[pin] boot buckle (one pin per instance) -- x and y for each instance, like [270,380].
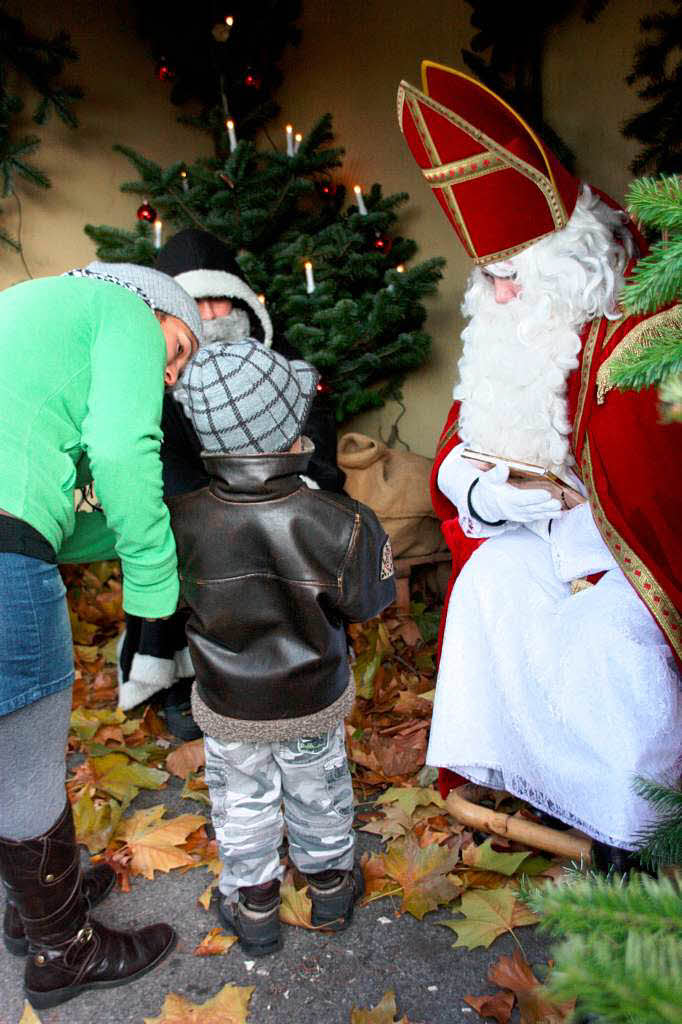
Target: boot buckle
[40,960]
[85,934]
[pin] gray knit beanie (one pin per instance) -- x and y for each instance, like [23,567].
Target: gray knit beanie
[159,290]
[246,399]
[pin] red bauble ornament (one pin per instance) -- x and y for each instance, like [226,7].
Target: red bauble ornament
[146,212]
[164,71]
[383,244]
[322,387]
[326,188]
[252,79]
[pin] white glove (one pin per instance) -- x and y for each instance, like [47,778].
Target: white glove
[493,499]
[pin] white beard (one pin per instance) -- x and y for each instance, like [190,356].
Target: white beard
[513,372]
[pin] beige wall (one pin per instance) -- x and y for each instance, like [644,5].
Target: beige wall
[350,62]
[124,103]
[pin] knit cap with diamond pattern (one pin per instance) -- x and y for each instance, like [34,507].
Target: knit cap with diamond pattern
[246,399]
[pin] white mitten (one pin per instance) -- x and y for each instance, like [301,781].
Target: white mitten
[493,500]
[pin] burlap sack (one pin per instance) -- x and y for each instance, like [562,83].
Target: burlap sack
[395,484]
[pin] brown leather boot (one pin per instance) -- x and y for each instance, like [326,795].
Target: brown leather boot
[97,883]
[69,953]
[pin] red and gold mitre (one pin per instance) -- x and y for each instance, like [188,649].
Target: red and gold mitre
[498,184]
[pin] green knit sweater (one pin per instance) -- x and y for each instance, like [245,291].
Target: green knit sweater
[81,390]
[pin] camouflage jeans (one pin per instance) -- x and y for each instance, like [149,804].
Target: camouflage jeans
[248,782]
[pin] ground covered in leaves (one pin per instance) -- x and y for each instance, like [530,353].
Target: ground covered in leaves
[417,860]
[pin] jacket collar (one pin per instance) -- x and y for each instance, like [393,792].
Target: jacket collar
[256,477]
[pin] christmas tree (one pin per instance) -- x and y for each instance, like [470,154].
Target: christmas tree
[38,62]
[333,274]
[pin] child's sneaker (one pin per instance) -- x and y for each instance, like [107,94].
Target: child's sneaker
[333,895]
[254,918]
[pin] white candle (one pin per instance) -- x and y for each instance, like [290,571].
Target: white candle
[309,279]
[400,268]
[261,299]
[185,182]
[297,142]
[290,139]
[229,21]
[158,234]
[360,200]
[232,134]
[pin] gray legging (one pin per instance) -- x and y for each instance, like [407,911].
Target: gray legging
[33,765]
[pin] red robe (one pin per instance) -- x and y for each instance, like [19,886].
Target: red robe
[630,464]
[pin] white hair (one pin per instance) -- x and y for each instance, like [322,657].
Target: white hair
[517,356]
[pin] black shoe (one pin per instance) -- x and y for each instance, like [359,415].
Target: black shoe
[254,918]
[177,707]
[333,895]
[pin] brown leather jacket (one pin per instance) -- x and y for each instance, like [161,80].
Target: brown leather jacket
[271,570]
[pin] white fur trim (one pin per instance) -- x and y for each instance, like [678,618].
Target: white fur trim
[218,283]
[148,675]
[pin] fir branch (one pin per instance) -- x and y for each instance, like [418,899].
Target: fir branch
[640,369]
[657,202]
[657,278]
[661,844]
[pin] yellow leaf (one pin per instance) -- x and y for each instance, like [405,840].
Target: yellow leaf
[296,907]
[193,790]
[155,845]
[109,651]
[215,943]
[421,873]
[29,1015]
[487,915]
[383,1013]
[123,778]
[205,898]
[410,797]
[229,1006]
[86,652]
[85,722]
[95,821]
[484,858]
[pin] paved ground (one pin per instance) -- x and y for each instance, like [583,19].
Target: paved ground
[316,979]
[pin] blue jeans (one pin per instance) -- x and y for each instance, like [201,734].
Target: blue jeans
[36,657]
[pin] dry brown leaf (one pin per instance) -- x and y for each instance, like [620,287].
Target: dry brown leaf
[155,845]
[498,1006]
[229,1006]
[215,943]
[513,972]
[206,896]
[188,758]
[422,875]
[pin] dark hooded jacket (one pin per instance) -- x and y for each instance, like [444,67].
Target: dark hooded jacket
[204,267]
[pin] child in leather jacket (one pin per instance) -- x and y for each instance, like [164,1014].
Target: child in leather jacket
[271,571]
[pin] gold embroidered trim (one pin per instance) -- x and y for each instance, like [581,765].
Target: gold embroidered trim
[638,338]
[507,159]
[462,170]
[588,353]
[655,598]
[450,432]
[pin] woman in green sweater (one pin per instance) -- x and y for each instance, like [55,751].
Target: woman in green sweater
[83,362]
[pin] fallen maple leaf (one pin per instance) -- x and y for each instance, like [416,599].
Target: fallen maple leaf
[95,821]
[487,915]
[498,1006]
[421,873]
[188,758]
[485,858]
[411,797]
[205,899]
[535,1007]
[296,907]
[229,1006]
[155,845]
[122,778]
[376,882]
[383,1013]
[195,788]
[392,824]
[29,1016]
[215,943]
[85,722]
